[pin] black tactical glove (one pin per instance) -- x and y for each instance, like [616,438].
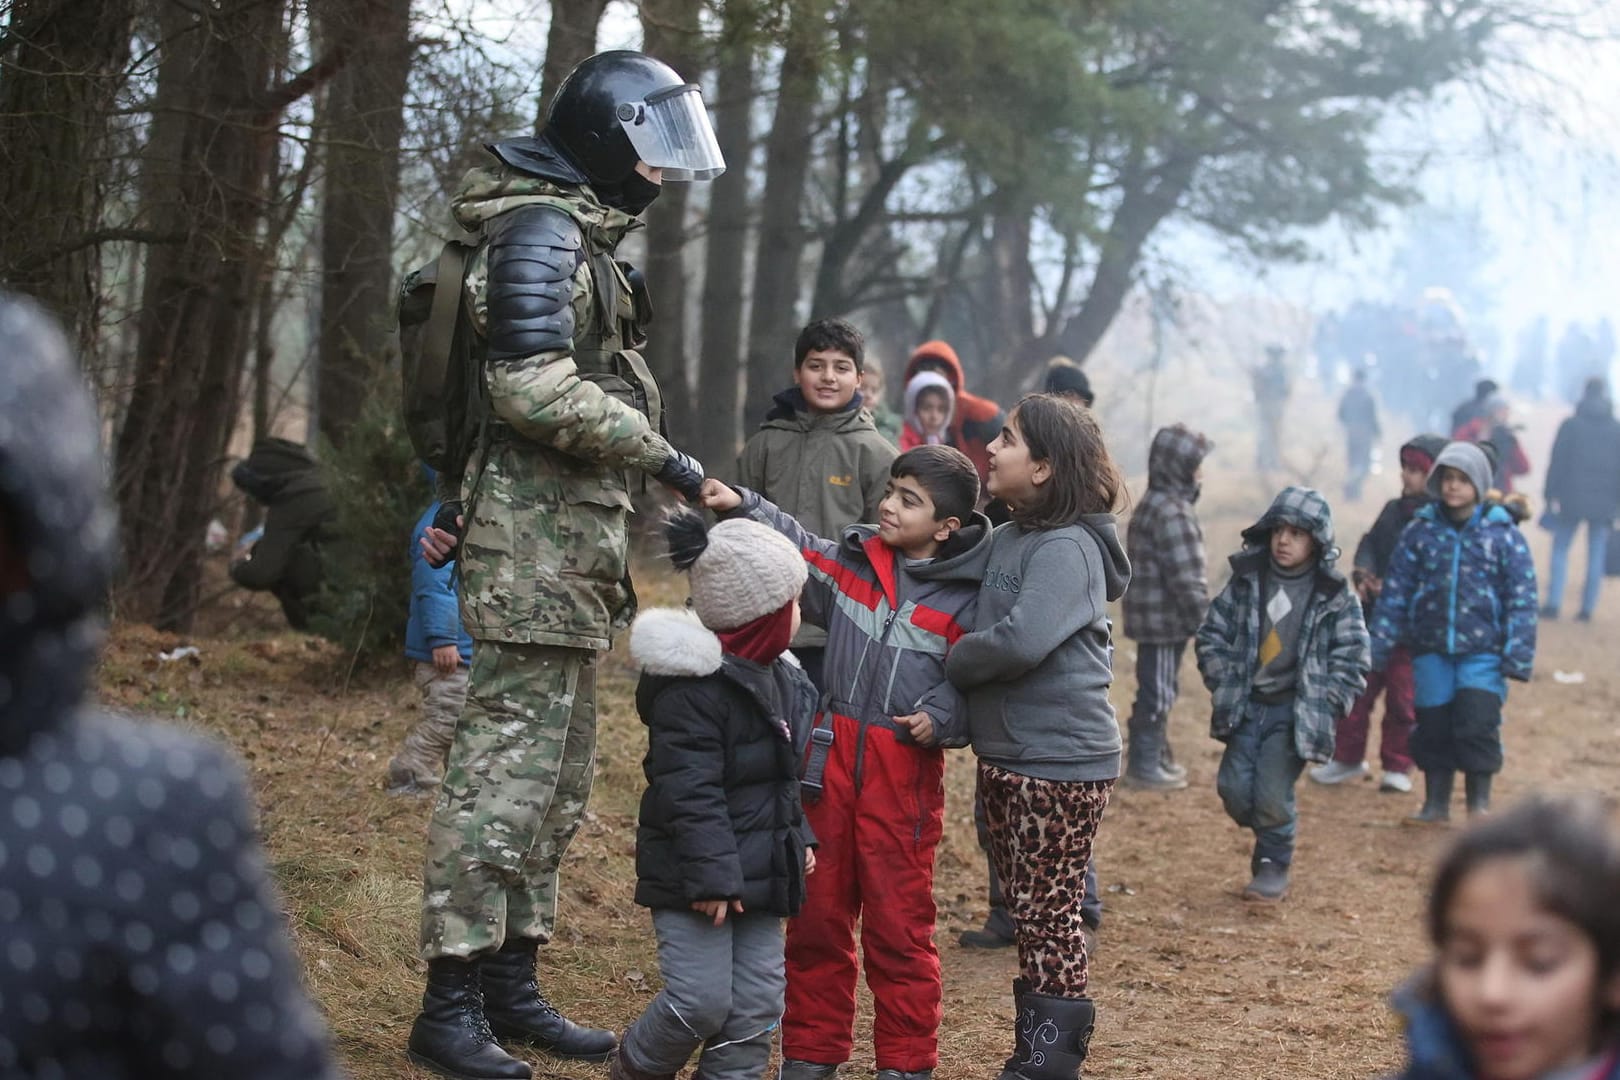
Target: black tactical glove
[683,473]
[445,519]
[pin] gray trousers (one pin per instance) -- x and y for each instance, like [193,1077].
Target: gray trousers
[723,991]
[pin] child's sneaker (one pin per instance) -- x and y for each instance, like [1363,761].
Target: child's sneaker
[1270,882]
[1337,772]
[1396,781]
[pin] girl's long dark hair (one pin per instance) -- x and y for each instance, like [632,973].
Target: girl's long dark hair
[1572,846]
[1065,434]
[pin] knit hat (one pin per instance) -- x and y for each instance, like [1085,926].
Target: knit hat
[1420,451]
[1467,459]
[920,382]
[1064,376]
[740,570]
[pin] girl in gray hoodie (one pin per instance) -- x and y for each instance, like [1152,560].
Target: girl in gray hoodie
[1036,671]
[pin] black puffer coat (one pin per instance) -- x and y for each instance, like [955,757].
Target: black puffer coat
[139,934]
[1583,477]
[284,478]
[721,817]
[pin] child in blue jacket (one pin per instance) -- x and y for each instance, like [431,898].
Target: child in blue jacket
[1460,594]
[440,651]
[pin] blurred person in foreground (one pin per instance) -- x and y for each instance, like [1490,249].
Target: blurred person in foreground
[139,932]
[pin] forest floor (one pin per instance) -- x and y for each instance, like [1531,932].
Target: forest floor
[1190,980]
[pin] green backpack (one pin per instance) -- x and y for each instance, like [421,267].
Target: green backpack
[442,360]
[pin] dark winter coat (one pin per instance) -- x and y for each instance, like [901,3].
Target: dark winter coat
[1358,411]
[1583,476]
[888,625]
[721,818]
[1169,578]
[1332,639]
[139,933]
[284,478]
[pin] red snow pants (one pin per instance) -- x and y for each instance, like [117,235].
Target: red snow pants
[875,864]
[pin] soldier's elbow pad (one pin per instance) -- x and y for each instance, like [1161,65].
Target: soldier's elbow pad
[533,254]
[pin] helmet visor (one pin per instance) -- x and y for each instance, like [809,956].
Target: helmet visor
[671,131]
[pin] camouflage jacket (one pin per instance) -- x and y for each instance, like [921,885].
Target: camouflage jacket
[544,558]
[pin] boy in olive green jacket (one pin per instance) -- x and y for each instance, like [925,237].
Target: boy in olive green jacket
[818,455]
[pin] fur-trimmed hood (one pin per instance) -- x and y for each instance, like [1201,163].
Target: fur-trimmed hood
[672,642]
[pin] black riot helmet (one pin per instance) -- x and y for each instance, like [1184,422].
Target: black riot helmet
[618,108]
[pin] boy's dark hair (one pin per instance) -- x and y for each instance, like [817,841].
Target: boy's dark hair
[830,334]
[1573,850]
[1059,430]
[946,474]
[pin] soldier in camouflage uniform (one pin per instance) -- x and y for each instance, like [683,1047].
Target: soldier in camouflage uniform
[575,425]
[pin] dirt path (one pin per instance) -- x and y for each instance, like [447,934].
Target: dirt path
[1190,981]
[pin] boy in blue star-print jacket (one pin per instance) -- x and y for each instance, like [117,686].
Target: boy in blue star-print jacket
[1461,595]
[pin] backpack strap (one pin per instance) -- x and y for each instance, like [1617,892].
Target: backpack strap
[440,334]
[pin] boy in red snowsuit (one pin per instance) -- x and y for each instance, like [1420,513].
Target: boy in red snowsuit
[893,598]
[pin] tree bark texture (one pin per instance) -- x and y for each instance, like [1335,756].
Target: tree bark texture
[361,124]
[209,153]
[781,241]
[725,254]
[61,66]
[670,32]
[570,39]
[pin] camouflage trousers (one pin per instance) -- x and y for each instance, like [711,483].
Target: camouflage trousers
[514,792]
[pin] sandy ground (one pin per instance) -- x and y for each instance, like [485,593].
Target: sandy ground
[1190,981]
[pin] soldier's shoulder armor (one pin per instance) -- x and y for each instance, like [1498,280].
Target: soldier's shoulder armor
[533,253]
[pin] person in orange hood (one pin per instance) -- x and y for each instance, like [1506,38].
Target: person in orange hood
[976,421]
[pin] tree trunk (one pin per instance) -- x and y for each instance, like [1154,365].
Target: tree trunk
[362,122]
[1148,199]
[780,247]
[63,64]
[671,33]
[213,126]
[570,39]
[719,370]
[1009,310]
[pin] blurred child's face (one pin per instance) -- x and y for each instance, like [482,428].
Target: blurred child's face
[1413,480]
[1457,492]
[1014,475]
[932,411]
[1291,546]
[906,519]
[828,379]
[1521,983]
[872,383]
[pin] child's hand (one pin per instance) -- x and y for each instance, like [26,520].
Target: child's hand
[716,909]
[718,496]
[921,726]
[809,861]
[446,658]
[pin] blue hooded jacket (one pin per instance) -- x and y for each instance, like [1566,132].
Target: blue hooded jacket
[1460,591]
[435,618]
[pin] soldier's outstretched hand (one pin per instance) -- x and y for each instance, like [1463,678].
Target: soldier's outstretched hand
[439,545]
[718,496]
[681,473]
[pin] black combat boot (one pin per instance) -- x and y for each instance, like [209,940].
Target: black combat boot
[1436,810]
[998,931]
[517,1009]
[1477,791]
[1053,1035]
[451,1036]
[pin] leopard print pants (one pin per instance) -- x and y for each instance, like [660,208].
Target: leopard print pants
[1040,840]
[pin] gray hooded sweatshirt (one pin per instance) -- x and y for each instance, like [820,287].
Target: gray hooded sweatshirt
[1037,666]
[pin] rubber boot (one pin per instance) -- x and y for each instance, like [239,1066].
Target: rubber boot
[1167,757]
[1023,1048]
[794,1069]
[1477,791]
[517,1009]
[998,931]
[451,1037]
[1145,769]
[1436,810]
[1054,1035]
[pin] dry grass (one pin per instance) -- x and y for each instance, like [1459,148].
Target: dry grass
[1190,980]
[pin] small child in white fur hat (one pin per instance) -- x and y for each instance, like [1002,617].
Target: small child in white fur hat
[722,846]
